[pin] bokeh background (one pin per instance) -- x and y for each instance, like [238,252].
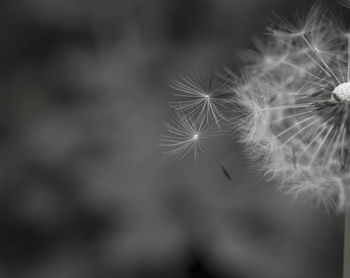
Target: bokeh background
[86,191]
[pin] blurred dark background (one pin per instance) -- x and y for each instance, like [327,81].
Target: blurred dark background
[85,190]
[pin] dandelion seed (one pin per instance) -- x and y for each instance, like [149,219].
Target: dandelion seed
[186,136]
[204,99]
[282,28]
[226,173]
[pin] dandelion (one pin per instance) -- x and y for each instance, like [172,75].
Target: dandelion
[294,99]
[295,103]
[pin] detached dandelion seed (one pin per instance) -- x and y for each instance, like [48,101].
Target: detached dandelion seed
[186,136]
[204,99]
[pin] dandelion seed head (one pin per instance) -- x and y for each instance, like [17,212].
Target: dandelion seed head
[295,106]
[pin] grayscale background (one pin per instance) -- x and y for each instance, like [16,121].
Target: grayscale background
[85,190]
